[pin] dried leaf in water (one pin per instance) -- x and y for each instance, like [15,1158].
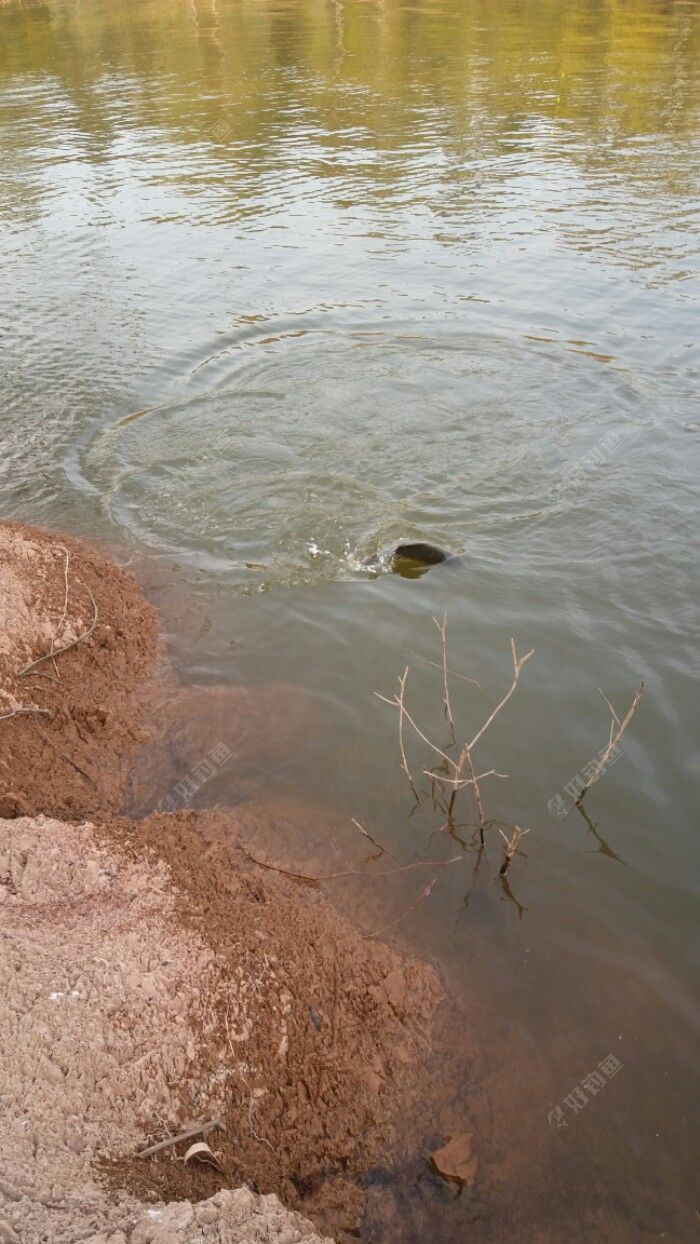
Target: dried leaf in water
[201,1152]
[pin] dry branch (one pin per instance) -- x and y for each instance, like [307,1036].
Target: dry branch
[350,872]
[510,847]
[456,768]
[19,712]
[57,652]
[438,666]
[442,628]
[465,756]
[378,845]
[614,739]
[518,663]
[420,897]
[199,1129]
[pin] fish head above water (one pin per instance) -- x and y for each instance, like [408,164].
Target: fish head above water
[410,559]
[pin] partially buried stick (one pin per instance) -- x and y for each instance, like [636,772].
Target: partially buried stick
[56,652]
[199,1129]
[18,712]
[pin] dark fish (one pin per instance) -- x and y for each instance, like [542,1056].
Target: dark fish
[411,559]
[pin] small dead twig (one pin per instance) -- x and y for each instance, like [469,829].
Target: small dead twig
[57,652]
[477,793]
[351,872]
[23,710]
[199,1129]
[465,756]
[378,845]
[67,759]
[518,663]
[398,701]
[442,628]
[510,847]
[455,769]
[420,897]
[615,736]
[438,666]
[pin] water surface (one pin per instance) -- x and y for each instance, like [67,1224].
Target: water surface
[285,281]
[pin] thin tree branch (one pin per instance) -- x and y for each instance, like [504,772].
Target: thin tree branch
[396,703]
[442,628]
[614,739]
[19,712]
[48,656]
[351,872]
[518,663]
[437,777]
[384,850]
[437,666]
[510,847]
[199,1129]
[420,897]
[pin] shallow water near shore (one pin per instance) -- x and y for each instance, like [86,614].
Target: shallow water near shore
[284,282]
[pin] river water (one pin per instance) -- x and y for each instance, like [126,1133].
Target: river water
[283,281]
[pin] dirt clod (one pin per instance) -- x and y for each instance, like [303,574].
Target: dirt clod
[456,1160]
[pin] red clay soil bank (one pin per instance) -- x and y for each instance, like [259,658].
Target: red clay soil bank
[103,726]
[192,982]
[69,724]
[316,1043]
[106,1009]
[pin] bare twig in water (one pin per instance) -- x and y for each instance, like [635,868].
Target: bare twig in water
[378,845]
[510,847]
[477,793]
[438,666]
[615,736]
[442,628]
[518,663]
[199,1129]
[57,652]
[420,897]
[351,872]
[398,700]
[455,771]
[437,777]
[465,756]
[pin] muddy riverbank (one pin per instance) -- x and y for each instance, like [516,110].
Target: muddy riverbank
[163,971]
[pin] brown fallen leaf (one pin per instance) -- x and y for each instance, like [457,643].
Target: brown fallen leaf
[201,1152]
